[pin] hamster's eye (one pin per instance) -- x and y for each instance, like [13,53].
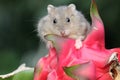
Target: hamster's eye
[67,19]
[55,21]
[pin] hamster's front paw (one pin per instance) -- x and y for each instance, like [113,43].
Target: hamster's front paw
[49,44]
[78,43]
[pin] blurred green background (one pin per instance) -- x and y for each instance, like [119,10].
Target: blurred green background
[19,42]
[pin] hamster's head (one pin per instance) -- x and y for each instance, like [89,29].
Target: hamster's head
[65,20]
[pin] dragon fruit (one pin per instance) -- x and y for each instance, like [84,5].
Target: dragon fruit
[91,62]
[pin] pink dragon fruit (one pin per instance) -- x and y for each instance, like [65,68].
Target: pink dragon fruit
[91,62]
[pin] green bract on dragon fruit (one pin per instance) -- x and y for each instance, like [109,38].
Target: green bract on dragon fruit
[91,62]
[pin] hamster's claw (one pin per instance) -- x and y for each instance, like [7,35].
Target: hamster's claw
[50,44]
[78,43]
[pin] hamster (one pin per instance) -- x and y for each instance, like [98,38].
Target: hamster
[64,21]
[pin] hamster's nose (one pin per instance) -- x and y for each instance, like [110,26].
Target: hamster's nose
[62,33]
[65,33]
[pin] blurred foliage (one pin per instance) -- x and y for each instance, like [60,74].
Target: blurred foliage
[18,19]
[23,75]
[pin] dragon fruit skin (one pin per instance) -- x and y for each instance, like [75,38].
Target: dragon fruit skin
[65,62]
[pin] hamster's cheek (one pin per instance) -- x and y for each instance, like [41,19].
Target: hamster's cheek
[56,32]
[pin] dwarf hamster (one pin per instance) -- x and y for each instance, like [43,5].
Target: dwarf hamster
[64,21]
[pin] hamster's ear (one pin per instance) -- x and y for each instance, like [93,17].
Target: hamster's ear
[50,8]
[72,6]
